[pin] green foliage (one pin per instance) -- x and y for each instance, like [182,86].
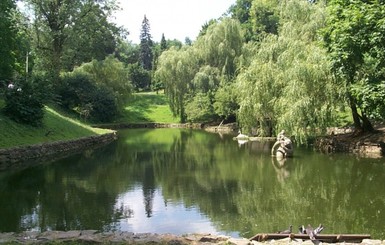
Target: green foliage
[288,84]
[200,108]
[127,52]
[264,18]
[139,76]
[68,33]
[176,69]
[146,55]
[221,46]
[54,127]
[13,41]
[257,17]
[24,101]
[78,93]
[355,39]
[201,69]
[225,104]
[370,97]
[7,34]
[111,74]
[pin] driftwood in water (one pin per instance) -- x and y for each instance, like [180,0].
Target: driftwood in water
[330,238]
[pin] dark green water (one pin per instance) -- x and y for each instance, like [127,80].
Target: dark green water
[184,181]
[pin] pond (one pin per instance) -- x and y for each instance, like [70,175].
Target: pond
[190,181]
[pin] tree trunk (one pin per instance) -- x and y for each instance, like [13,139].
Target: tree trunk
[366,124]
[356,116]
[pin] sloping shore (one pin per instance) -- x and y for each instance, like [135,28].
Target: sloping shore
[347,140]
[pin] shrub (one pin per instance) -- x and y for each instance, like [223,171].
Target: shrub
[24,101]
[80,94]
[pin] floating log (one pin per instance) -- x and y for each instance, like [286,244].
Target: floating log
[330,238]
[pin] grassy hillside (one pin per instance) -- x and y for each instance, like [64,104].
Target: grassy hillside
[55,127]
[148,107]
[142,107]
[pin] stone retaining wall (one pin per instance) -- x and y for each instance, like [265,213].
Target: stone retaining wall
[95,237]
[150,125]
[13,157]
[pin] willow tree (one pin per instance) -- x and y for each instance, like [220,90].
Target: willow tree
[176,69]
[219,51]
[221,46]
[193,75]
[288,84]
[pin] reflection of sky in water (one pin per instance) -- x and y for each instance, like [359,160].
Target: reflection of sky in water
[167,216]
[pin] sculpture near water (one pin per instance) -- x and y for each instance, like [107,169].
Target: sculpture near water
[285,146]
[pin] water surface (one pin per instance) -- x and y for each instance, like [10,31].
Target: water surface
[183,181]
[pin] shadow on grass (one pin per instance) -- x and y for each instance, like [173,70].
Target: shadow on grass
[141,105]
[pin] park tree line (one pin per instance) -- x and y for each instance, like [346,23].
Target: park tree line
[295,65]
[267,65]
[70,54]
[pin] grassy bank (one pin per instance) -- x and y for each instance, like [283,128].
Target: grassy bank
[141,108]
[55,127]
[147,107]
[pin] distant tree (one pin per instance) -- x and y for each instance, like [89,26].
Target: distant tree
[187,41]
[205,26]
[174,43]
[127,52]
[264,17]
[241,11]
[163,43]
[146,44]
[257,17]
[139,76]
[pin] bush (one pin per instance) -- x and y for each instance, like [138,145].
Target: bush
[78,93]
[24,101]
[104,108]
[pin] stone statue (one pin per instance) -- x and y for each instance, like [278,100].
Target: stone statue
[285,146]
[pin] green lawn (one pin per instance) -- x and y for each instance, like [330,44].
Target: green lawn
[142,107]
[148,107]
[55,127]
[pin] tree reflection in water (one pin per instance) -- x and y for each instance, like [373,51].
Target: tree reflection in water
[182,181]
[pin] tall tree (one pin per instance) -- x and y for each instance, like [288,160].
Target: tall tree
[163,43]
[355,39]
[146,44]
[7,39]
[257,17]
[241,11]
[62,25]
[288,84]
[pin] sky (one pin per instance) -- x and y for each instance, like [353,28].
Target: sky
[177,19]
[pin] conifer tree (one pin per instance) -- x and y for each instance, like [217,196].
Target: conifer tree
[146,55]
[163,43]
